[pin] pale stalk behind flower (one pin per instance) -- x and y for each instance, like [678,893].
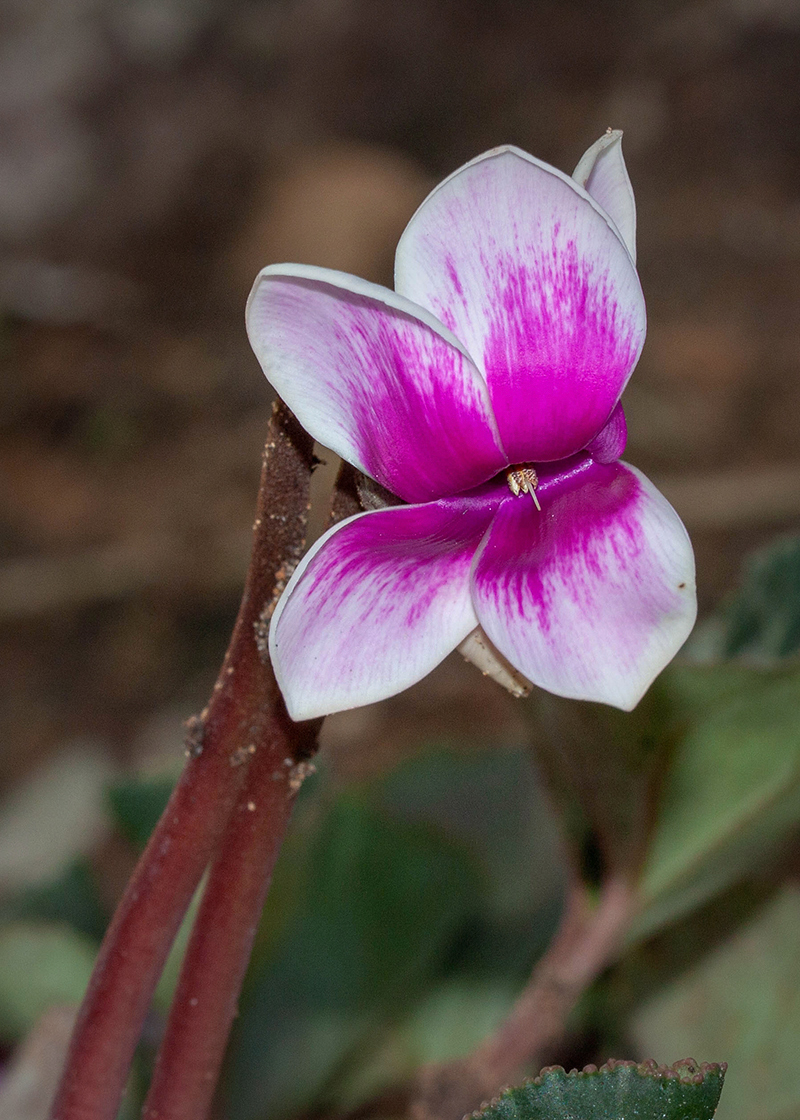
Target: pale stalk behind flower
[480,652]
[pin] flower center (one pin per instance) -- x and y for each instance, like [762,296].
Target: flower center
[523,480]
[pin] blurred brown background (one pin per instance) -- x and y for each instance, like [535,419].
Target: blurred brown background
[154,154]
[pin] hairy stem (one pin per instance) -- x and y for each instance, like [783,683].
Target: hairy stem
[220,747]
[189,1060]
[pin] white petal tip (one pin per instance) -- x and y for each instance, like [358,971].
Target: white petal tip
[601,171]
[586,163]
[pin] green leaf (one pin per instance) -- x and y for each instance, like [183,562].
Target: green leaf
[692,690]
[732,792]
[385,898]
[55,814]
[616,1091]
[601,764]
[447,1023]
[383,902]
[741,1000]
[492,803]
[486,804]
[40,966]
[762,621]
[137,804]
[71,898]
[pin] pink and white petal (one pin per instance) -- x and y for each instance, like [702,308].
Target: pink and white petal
[602,172]
[376,379]
[609,443]
[531,275]
[593,596]
[377,603]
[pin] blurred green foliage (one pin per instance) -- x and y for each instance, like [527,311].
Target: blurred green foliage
[403,889]
[742,1000]
[71,898]
[383,902]
[407,911]
[41,965]
[732,791]
[761,620]
[136,804]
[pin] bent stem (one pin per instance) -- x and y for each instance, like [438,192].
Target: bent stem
[221,745]
[588,939]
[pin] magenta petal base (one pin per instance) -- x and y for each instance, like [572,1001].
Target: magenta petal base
[594,595]
[375,378]
[533,278]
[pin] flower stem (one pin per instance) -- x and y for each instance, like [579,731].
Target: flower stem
[204,1006]
[138,941]
[222,744]
[589,937]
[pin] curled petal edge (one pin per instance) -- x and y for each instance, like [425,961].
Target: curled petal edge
[601,171]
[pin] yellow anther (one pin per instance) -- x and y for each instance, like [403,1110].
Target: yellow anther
[523,480]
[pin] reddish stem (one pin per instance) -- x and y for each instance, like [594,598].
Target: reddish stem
[221,745]
[589,937]
[204,1006]
[139,938]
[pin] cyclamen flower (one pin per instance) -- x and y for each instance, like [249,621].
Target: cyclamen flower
[483,392]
